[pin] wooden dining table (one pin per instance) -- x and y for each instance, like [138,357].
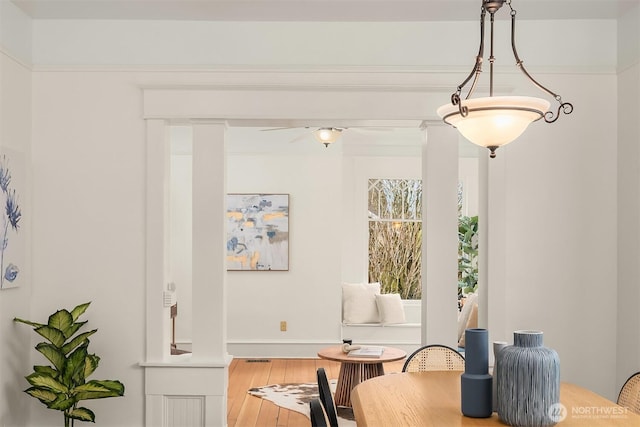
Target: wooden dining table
[428,399]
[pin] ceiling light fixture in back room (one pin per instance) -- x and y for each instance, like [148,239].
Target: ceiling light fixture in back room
[327,136]
[492,122]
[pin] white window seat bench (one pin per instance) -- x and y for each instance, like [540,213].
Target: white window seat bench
[400,335]
[377,333]
[406,336]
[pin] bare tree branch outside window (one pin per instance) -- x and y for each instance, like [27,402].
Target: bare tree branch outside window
[395,239]
[395,236]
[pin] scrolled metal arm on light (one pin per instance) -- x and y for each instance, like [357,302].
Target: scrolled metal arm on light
[565,107]
[495,121]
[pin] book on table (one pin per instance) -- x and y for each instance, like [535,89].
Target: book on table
[367,351]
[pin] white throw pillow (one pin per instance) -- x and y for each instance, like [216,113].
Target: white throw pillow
[359,302]
[390,308]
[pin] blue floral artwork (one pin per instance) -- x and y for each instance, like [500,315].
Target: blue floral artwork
[10,260]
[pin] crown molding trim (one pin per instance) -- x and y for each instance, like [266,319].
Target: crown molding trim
[5,52]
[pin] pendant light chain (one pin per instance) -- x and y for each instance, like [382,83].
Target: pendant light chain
[492,58]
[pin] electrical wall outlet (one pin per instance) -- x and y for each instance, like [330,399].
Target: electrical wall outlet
[283,325]
[168,298]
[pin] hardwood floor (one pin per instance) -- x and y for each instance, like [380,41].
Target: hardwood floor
[244,410]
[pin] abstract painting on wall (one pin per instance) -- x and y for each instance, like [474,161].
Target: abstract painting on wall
[258,232]
[12,240]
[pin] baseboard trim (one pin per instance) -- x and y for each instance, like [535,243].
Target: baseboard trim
[298,350]
[277,349]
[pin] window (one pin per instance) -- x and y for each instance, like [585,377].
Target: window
[395,235]
[395,239]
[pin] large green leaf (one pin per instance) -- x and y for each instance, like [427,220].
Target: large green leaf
[62,404]
[79,310]
[97,385]
[43,395]
[54,355]
[27,322]
[90,386]
[82,414]
[74,366]
[46,370]
[90,364]
[60,320]
[55,336]
[73,329]
[47,383]
[88,395]
[99,389]
[68,347]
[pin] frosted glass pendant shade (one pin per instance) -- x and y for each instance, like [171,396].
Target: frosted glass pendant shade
[494,121]
[327,135]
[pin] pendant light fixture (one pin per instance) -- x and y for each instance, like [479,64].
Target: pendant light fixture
[327,135]
[492,122]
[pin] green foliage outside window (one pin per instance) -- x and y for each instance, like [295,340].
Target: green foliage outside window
[467,254]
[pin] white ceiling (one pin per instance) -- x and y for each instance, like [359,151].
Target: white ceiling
[316,10]
[399,139]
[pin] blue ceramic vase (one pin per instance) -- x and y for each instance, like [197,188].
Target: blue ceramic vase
[475,386]
[528,376]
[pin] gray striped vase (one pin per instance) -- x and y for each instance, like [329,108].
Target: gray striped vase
[528,377]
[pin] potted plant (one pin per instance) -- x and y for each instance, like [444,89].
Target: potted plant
[62,385]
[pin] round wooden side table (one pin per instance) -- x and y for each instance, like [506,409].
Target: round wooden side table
[354,370]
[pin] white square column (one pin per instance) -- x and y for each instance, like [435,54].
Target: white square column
[492,244]
[209,236]
[157,241]
[188,390]
[440,236]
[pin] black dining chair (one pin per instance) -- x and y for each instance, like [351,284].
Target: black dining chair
[316,413]
[327,398]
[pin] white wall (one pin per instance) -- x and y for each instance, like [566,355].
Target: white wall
[88,229]
[561,232]
[89,186]
[284,45]
[628,250]
[305,295]
[16,348]
[15,134]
